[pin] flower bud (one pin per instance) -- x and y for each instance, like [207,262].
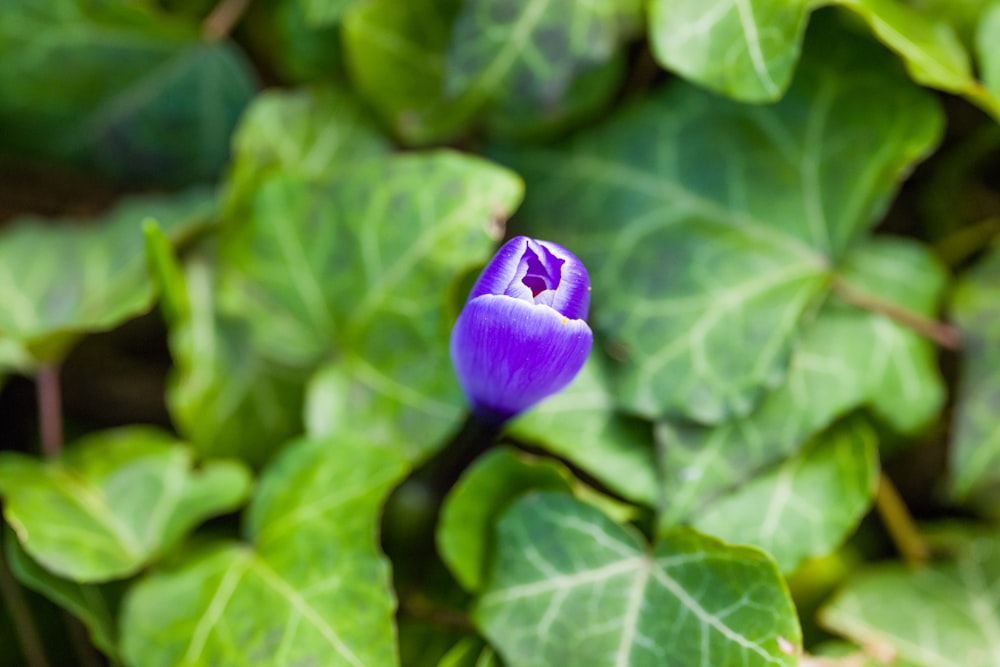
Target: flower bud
[522,335]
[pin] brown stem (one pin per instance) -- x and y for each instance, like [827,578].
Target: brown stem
[49,409]
[17,605]
[223,18]
[943,334]
[901,526]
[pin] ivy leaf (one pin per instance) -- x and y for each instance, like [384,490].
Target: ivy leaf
[363,265]
[726,221]
[942,615]
[846,358]
[395,56]
[975,451]
[309,587]
[807,505]
[95,605]
[571,587]
[99,85]
[580,425]
[113,501]
[309,131]
[533,47]
[62,279]
[495,480]
[746,49]
[986,34]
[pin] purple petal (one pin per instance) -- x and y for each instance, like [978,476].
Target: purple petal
[500,273]
[522,266]
[572,297]
[509,353]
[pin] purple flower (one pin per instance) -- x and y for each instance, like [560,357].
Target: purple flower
[522,335]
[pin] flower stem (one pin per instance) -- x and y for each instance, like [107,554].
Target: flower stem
[900,524]
[223,18]
[442,470]
[49,409]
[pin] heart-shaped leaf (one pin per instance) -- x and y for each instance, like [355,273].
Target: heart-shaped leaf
[570,587]
[308,587]
[113,502]
[712,230]
[361,269]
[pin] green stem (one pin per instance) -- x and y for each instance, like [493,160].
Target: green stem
[900,524]
[17,605]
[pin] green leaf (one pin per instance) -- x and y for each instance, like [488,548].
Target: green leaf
[361,268]
[314,132]
[113,502]
[942,615]
[61,279]
[975,451]
[395,54]
[321,13]
[570,587]
[95,605]
[469,653]
[846,358]
[99,84]
[580,425]
[532,49]
[223,395]
[806,506]
[989,60]
[711,230]
[495,480]
[746,49]
[930,49]
[309,587]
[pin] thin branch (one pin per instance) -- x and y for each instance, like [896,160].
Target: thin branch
[50,416]
[901,526]
[223,18]
[941,333]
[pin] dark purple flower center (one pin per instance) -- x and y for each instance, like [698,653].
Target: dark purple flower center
[543,272]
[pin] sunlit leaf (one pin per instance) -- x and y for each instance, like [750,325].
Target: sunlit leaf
[61,279]
[100,84]
[570,587]
[806,506]
[321,13]
[746,49]
[975,452]
[711,230]
[942,615]
[308,587]
[465,529]
[113,501]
